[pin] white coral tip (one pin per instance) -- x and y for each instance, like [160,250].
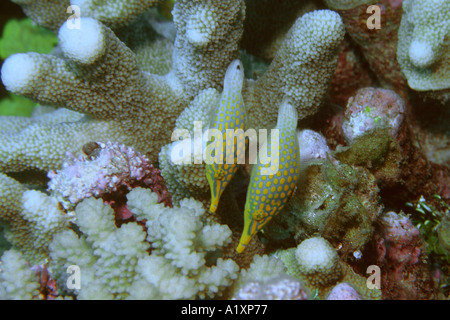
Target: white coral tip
[17,72]
[421,54]
[85,45]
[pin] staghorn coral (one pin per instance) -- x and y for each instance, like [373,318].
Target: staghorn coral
[207,41]
[424,45]
[174,257]
[91,79]
[112,62]
[17,280]
[32,218]
[91,71]
[52,14]
[296,71]
[49,14]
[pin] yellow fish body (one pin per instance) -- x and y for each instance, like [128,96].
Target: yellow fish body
[229,116]
[273,182]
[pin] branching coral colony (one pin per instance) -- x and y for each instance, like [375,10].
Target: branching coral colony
[107,178]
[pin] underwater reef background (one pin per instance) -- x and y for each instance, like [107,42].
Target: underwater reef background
[98,99]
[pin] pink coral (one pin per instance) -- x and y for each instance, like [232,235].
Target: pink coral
[403,240]
[396,3]
[396,159]
[279,288]
[372,108]
[344,291]
[400,256]
[104,169]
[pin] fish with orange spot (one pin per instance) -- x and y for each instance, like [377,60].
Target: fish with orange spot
[229,123]
[274,176]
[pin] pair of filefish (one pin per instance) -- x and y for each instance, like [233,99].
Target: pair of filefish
[273,181]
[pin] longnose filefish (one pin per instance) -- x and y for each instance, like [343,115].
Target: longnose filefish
[230,120]
[272,183]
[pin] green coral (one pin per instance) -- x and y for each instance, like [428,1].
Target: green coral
[335,200]
[369,149]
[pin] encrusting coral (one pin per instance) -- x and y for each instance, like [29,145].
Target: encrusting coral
[109,173]
[400,252]
[334,200]
[378,133]
[316,263]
